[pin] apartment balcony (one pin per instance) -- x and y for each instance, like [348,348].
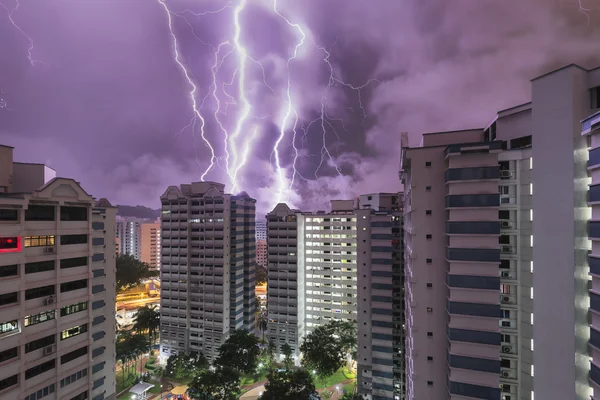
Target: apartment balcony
[590,123]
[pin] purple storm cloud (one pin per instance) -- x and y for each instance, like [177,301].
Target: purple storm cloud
[297,101]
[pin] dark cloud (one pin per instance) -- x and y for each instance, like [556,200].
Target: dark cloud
[107,104]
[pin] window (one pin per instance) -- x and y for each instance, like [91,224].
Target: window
[9,270]
[429,334]
[39,213]
[73,355]
[97,289]
[429,309]
[43,291]
[9,215]
[429,383]
[40,266]
[428,163]
[428,236]
[39,318]
[73,239]
[429,285]
[38,344]
[73,308]
[41,393]
[73,285]
[73,213]
[72,378]
[427,212]
[8,382]
[37,241]
[40,369]
[429,358]
[9,354]
[428,260]
[80,396]
[75,331]
[428,188]
[9,326]
[73,262]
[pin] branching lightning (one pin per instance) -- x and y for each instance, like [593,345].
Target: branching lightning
[12,21]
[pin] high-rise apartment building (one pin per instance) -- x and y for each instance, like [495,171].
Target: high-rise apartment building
[57,287]
[128,232]
[261,229]
[207,268]
[261,252]
[311,270]
[150,244]
[380,301]
[496,251]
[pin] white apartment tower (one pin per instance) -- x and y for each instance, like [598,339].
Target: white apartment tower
[312,270]
[496,251]
[57,287]
[207,268]
[128,231]
[380,302]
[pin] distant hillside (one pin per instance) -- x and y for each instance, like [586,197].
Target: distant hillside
[138,212]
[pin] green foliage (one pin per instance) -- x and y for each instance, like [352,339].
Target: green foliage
[272,349]
[147,319]
[131,272]
[185,366]
[289,385]
[261,274]
[220,384]
[261,324]
[326,347]
[350,396]
[287,352]
[239,352]
[130,349]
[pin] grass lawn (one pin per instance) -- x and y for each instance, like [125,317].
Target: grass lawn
[156,388]
[251,379]
[349,388]
[334,379]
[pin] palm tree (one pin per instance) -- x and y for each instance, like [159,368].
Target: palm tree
[262,325]
[147,319]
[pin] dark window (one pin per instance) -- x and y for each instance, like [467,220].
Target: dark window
[73,378]
[9,215]
[429,358]
[39,213]
[428,236]
[474,282]
[476,309]
[73,239]
[48,390]
[39,318]
[473,227]
[8,382]
[428,188]
[80,396]
[427,212]
[430,285]
[73,308]
[428,163]
[40,266]
[98,320]
[485,255]
[472,336]
[474,363]
[97,352]
[505,264]
[9,270]
[472,200]
[98,304]
[428,260]
[429,334]
[73,262]
[38,344]
[503,214]
[73,355]
[429,383]
[524,141]
[73,213]
[38,292]
[472,173]
[8,354]
[475,391]
[40,369]
[73,285]
[97,289]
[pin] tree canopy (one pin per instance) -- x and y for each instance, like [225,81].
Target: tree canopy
[186,366]
[147,319]
[261,274]
[131,272]
[239,352]
[326,347]
[218,384]
[289,385]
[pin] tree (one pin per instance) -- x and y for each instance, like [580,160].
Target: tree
[261,274]
[186,366]
[289,385]
[220,384]
[326,347]
[239,352]
[287,352]
[262,325]
[131,272]
[272,349]
[147,319]
[351,396]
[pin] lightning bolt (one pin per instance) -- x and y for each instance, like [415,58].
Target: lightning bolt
[193,90]
[289,111]
[17,27]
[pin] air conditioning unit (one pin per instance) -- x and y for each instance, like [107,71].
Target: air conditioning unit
[505,274]
[505,224]
[49,300]
[505,299]
[49,350]
[505,374]
[506,349]
[506,174]
[48,250]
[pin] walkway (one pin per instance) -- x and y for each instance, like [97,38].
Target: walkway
[259,387]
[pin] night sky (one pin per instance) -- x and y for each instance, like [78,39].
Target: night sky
[104,101]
